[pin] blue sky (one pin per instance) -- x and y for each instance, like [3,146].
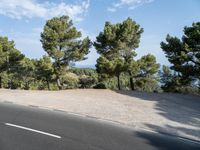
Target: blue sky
[23,20]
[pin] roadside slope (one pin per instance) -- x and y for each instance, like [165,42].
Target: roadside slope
[169,113]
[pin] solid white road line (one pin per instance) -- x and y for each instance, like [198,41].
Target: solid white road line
[33,130]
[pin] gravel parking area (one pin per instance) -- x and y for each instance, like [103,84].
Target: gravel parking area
[175,114]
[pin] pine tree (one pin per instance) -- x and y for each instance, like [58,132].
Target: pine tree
[148,68]
[184,54]
[116,45]
[44,70]
[10,59]
[63,43]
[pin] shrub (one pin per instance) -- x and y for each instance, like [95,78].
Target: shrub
[87,81]
[100,86]
[70,81]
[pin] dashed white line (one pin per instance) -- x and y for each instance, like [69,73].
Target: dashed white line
[33,130]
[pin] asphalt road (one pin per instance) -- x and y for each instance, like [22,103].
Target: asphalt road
[28,128]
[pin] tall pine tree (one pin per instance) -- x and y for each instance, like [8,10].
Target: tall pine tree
[184,54]
[63,43]
[116,45]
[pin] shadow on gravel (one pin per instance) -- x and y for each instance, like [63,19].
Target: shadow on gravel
[171,130]
[180,108]
[166,142]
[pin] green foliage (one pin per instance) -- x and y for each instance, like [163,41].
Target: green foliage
[70,81]
[147,85]
[148,66]
[184,54]
[44,70]
[147,79]
[173,83]
[110,68]
[116,45]
[87,77]
[10,59]
[87,81]
[165,74]
[116,67]
[121,38]
[4,79]
[61,40]
[26,70]
[64,45]
[191,39]
[169,82]
[84,71]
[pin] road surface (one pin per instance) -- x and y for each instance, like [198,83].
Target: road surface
[29,128]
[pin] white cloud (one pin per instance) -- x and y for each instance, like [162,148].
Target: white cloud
[131,4]
[31,8]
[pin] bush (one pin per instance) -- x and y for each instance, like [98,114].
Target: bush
[87,81]
[70,81]
[100,86]
[188,90]
[147,85]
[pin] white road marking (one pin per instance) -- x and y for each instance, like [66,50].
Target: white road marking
[33,130]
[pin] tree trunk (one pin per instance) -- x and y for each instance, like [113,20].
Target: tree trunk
[27,85]
[9,84]
[118,82]
[48,84]
[59,84]
[131,81]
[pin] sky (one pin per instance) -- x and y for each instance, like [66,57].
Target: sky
[23,21]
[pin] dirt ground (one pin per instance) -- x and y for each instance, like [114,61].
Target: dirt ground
[175,114]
